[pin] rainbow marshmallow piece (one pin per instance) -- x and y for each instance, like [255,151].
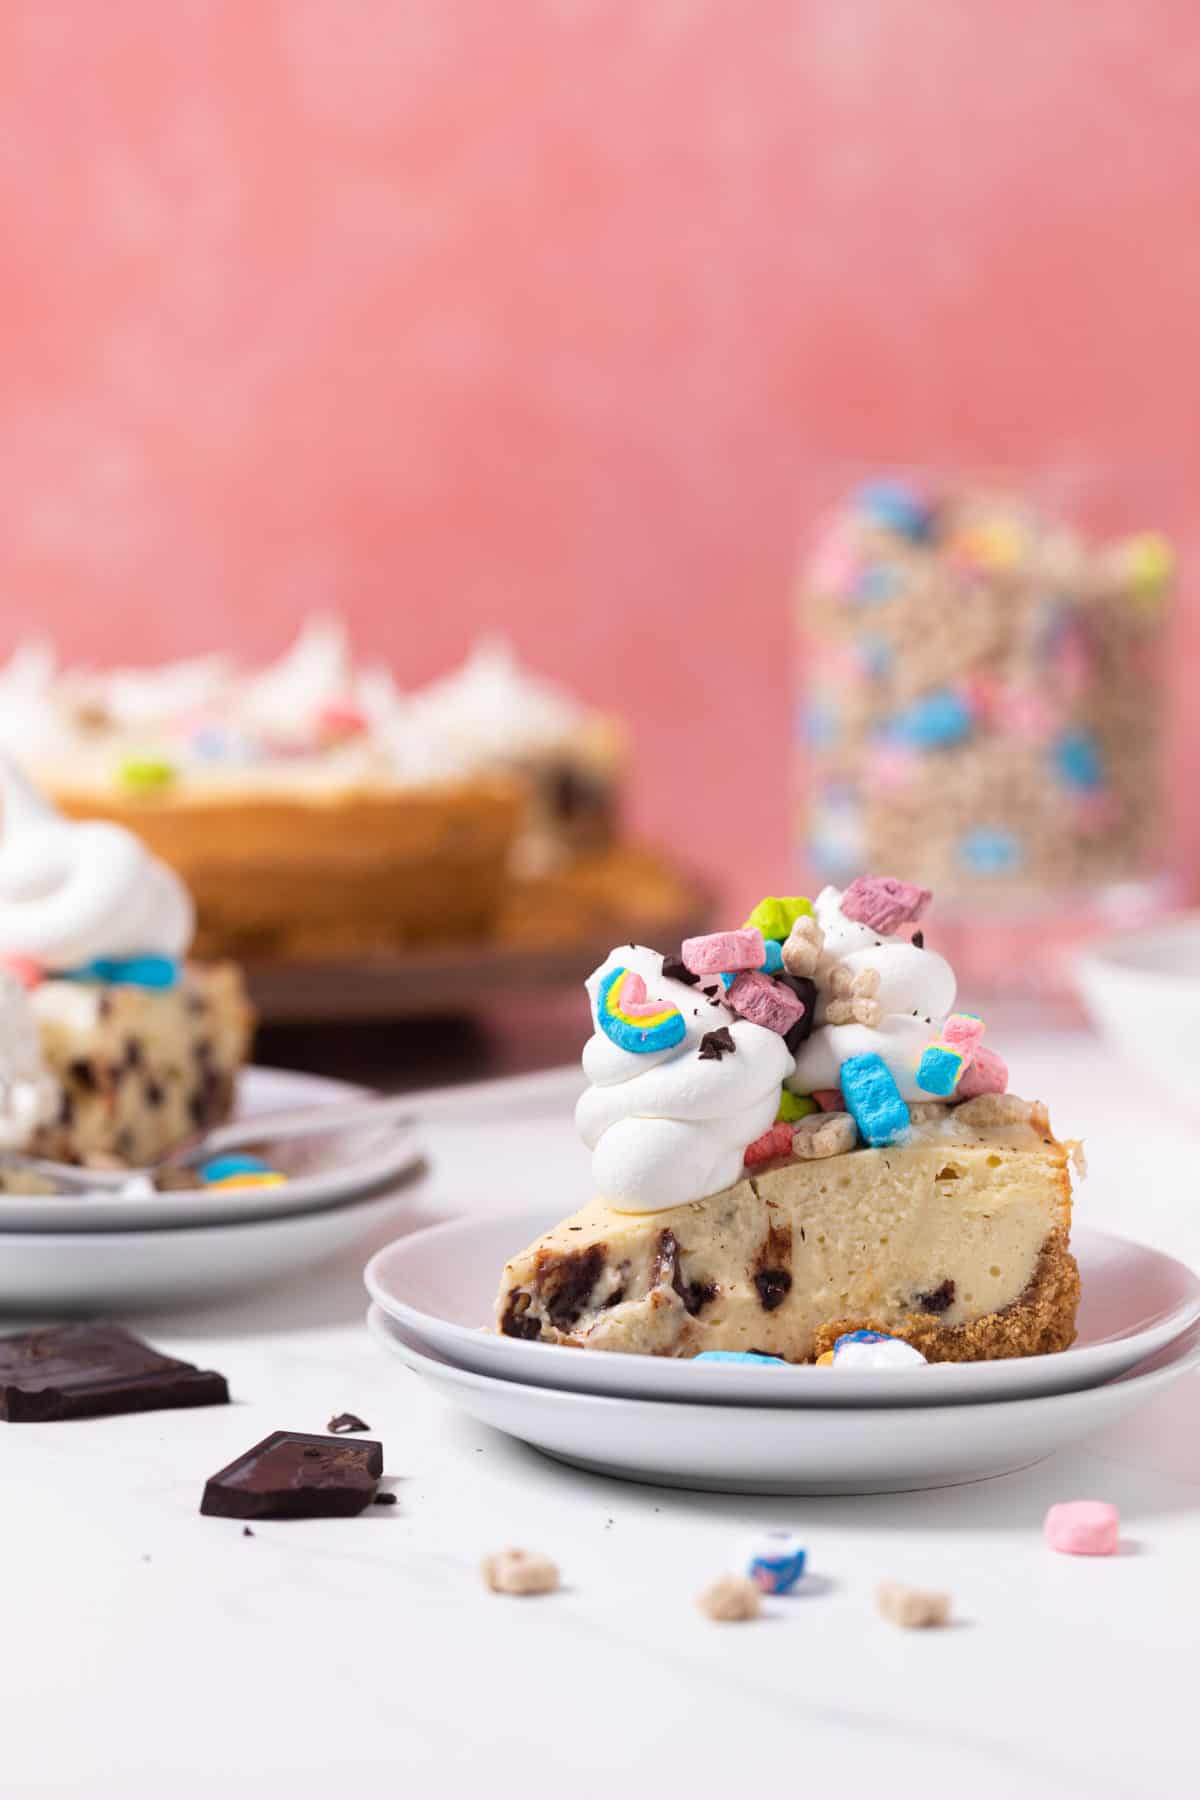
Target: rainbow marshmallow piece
[631,1020]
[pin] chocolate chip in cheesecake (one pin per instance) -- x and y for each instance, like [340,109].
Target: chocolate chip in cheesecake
[82,1071]
[667,1271]
[675,969]
[940,1300]
[518,1321]
[774,1286]
[565,1283]
[716,1044]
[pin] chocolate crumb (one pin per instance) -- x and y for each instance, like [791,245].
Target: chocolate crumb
[83,1073]
[675,969]
[940,1300]
[918,938]
[716,1044]
[347,1422]
[774,1286]
[384,1500]
[246,1531]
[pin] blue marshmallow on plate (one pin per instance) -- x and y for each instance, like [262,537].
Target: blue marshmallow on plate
[737,1356]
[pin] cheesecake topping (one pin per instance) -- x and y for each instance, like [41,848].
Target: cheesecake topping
[717,1060]
[73,894]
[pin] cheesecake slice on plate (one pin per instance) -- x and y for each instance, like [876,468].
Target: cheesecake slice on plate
[795,1138]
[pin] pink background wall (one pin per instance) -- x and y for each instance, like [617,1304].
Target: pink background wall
[544,313]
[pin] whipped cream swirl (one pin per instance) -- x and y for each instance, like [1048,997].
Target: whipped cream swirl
[916,992]
[75,892]
[668,1126]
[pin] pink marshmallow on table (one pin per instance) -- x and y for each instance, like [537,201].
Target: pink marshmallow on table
[1083,1528]
[722,952]
[987,1074]
[777,1141]
[829,1099]
[765,1002]
[882,903]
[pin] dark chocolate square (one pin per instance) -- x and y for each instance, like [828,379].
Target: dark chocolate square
[296,1475]
[84,1371]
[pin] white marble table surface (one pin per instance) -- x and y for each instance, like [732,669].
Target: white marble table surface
[151,1652]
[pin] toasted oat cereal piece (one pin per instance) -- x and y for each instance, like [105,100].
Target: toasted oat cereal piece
[519,1572]
[824,1134]
[730,1599]
[999,1109]
[912,1608]
[804,947]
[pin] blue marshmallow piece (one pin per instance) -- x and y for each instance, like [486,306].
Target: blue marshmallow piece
[897,507]
[1077,759]
[873,1100]
[776,1562]
[774,962]
[990,850]
[737,1356]
[939,1070]
[934,721]
[220,1168]
[130,971]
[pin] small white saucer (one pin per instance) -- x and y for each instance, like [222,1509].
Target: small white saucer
[440,1285]
[373,1157]
[822,1450]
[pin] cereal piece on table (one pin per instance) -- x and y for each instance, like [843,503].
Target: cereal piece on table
[912,1608]
[723,951]
[738,1356]
[730,1599]
[776,1141]
[765,1002]
[774,916]
[824,1134]
[793,1108]
[519,1572]
[986,1076]
[803,947]
[873,1100]
[883,904]
[1083,1528]
[776,1562]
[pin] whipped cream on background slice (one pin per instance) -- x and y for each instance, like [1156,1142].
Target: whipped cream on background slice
[71,891]
[916,992]
[139,698]
[34,724]
[28,1092]
[285,700]
[492,709]
[666,1127]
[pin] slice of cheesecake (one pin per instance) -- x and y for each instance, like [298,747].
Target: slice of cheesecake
[956,1240]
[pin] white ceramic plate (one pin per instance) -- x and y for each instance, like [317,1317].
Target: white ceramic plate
[65,1272]
[364,1161]
[440,1285]
[821,1450]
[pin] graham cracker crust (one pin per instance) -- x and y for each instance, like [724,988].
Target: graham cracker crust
[1040,1322]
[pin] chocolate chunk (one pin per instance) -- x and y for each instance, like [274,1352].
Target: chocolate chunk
[66,1109]
[774,1286]
[82,1071]
[716,1044]
[246,1531]
[519,1321]
[940,1300]
[155,1094]
[918,938]
[133,1053]
[385,1500]
[565,1283]
[84,1371]
[713,991]
[347,1422]
[676,970]
[294,1475]
[805,991]
[667,1267]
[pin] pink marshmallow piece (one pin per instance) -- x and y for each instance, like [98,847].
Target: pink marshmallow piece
[1083,1528]
[26,971]
[777,1141]
[721,952]
[964,1033]
[987,1074]
[829,1099]
[882,903]
[765,1002]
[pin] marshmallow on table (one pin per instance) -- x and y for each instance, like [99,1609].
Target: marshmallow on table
[776,1562]
[1083,1528]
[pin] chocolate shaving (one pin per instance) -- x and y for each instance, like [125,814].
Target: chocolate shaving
[675,969]
[246,1531]
[716,1044]
[347,1422]
[918,938]
[385,1500]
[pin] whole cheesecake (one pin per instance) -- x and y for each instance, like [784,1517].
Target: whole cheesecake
[796,1139]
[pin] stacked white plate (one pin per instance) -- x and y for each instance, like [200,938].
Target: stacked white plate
[779,1429]
[101,1250]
